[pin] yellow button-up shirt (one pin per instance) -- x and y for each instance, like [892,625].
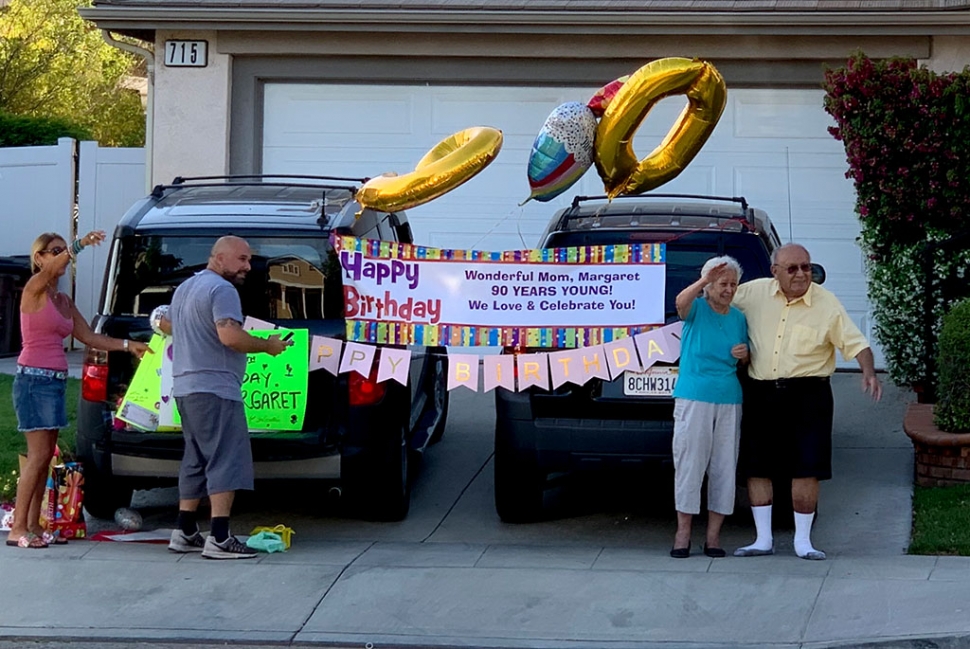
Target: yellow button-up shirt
[797,338]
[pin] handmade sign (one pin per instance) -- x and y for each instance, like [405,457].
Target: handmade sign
[273,391]
[274,388]
[142,400]
[405,294]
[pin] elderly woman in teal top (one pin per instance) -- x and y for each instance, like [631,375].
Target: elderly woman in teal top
[707,402]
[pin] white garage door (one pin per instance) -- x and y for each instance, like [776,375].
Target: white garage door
[770,146]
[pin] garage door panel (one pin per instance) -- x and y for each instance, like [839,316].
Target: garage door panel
[753,181]
[302,112]
[697,178]
[824,224]
[770,146]
[780,114]
[522,118]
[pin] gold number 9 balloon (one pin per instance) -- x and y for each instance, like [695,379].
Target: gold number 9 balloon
[617,164]
[451,162]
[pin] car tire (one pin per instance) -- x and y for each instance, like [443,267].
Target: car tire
[519,483]
[386,489]
[103,494]
[438,393]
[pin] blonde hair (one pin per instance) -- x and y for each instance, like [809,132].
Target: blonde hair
[41,243]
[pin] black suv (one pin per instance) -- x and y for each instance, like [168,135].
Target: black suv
[358,435]
[543,435]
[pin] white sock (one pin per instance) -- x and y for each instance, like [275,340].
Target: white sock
[762,525]
[803,536]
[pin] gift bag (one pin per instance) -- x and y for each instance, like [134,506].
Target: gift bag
[266,542]
[60,511]
[281,530]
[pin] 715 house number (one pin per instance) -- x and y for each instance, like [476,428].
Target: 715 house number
[186,54]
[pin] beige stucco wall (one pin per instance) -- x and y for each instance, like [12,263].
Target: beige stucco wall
[949,54]
[191,113]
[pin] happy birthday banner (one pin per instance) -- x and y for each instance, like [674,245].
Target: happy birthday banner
[403,294]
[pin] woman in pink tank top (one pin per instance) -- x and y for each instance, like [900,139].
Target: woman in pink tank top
[47,317]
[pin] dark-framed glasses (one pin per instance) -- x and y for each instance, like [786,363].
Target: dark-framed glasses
[56,250]
[794,268]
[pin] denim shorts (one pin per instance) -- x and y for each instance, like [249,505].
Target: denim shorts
[39,402]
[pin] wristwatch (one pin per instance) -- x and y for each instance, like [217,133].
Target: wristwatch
[125,344]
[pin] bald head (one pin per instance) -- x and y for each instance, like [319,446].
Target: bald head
[788,247]
[230,258]
[227,244]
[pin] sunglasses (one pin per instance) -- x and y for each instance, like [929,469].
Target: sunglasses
[56,250]
[794,268]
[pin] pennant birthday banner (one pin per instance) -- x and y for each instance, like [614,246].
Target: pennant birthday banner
[545,370]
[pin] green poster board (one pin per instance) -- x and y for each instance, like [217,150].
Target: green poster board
[273,391]
[140,406]
[274,388]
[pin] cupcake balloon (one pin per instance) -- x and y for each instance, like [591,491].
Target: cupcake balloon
[562,152]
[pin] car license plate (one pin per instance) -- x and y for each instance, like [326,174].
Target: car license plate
[657,381]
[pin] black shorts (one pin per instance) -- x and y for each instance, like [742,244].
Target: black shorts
[786,429]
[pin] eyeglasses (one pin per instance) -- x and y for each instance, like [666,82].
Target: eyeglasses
[794,268]
[56,250]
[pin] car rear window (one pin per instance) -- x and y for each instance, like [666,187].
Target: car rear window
[686,254]
[292,277]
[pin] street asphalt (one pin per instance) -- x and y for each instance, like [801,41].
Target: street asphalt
[452,575]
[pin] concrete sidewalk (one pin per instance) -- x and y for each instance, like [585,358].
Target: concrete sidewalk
[452,574]
[477,595]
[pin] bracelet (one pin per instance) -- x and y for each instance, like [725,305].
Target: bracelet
[125,344]
[76,247]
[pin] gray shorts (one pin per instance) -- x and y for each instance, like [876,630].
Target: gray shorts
[218,455]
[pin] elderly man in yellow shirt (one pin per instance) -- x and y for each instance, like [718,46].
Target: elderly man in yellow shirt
[794,327]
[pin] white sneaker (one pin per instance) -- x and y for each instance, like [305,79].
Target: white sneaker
[231,548]
[182,543]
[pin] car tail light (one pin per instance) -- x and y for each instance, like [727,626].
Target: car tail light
[94,375]
[515,351]
[365,391]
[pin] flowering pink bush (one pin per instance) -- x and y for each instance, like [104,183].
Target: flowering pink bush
[906,131]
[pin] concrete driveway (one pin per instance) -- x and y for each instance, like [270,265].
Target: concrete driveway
[452,497]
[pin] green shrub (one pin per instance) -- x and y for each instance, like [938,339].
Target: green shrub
[906,132]
[953,394]
[24,130]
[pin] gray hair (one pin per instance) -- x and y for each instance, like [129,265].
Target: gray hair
[731,262]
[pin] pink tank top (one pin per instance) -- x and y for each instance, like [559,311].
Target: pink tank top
[43,335]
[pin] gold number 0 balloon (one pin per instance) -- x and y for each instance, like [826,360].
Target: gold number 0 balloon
[615,160]
[450,163]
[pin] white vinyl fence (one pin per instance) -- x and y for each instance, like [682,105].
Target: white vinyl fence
[70,189]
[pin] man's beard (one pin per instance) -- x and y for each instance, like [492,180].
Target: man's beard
[237,279]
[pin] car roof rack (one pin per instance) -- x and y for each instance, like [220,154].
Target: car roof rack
[732,199]
[179,180]
[240,180]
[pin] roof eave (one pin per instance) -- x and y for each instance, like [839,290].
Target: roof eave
[127,19]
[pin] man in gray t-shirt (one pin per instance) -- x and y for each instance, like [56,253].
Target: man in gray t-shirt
[209,348]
